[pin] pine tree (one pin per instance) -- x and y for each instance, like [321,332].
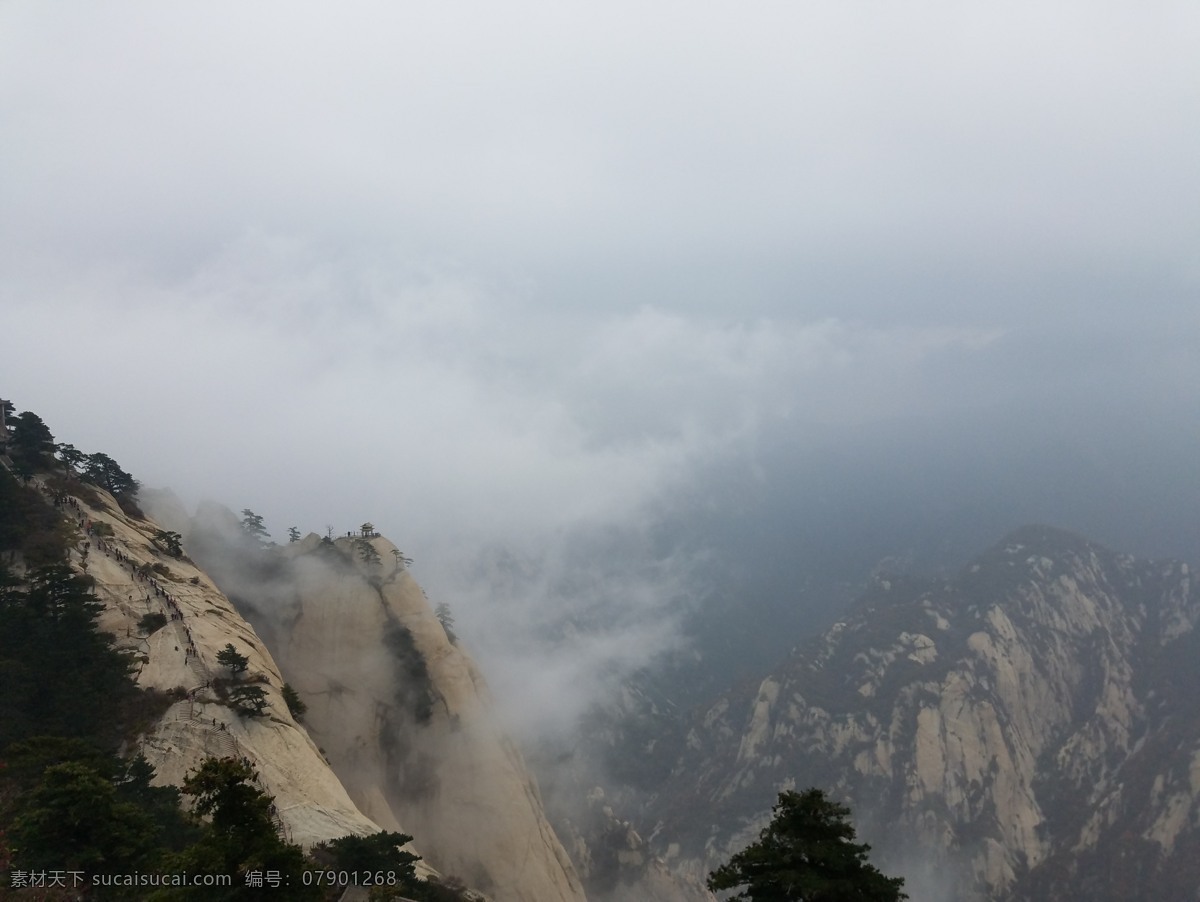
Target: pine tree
[72,457]
[32,445]
[806,854]
[240,836]
[378,852]
[446,619]
[252,525]
[170,541]
[295,704]
[102,470]
[248,699]
[231,658]
[367,553]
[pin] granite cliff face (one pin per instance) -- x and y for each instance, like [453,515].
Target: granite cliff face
[398,734]
[134,577]
[405,718]
[1026,730]
[400,712]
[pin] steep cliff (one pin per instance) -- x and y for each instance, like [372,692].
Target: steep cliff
[1022,731]
[134,577]
[402,714]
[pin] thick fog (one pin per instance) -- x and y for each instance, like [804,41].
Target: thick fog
[603,315]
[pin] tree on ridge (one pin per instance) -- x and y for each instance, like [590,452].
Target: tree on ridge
[230,657]
[806,854]
[252,525]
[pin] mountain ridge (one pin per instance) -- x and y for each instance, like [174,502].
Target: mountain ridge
[1023,729]
[166,612]
[400,712]
[965,714]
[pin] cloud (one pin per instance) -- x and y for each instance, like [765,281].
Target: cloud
[525,416]
[514,278]
[520,456]
[535,139]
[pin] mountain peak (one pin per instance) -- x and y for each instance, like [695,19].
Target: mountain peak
[1042,539]
[989,726]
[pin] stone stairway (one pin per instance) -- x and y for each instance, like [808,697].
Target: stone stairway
[219,743]
[194,664]
[198,669]
[276,820]
[180,712]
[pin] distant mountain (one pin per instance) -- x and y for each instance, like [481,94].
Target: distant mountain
[1025,730]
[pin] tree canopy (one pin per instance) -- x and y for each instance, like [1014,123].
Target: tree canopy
[806,854]
[240,835]
[68,704]
[233,659]
[446,619]
[72,457]
[28,525]
[170,541]
[249,700]
[295,705]
[252,525]
[367,553]
[58,673]
[32,443]
[100,469]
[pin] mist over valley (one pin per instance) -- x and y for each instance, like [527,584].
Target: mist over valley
[649,345]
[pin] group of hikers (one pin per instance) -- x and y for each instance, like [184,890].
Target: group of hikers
[141,573]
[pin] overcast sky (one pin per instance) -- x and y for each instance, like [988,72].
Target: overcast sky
[491,274]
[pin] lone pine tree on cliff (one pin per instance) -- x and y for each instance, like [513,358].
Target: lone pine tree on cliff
[248,699]
[230,657]
[252,525]
[806,854]
[169,541]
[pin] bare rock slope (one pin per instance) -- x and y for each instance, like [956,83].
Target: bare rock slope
[398,733]
[1027,730]
[135,577]
[401,712]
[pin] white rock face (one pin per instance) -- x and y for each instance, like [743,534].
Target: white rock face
[405,719]
[402,713]
[1042,721]
[312,804]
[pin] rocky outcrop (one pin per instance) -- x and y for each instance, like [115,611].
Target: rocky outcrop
[398,734]
[134,577]
[1020,731]
[402,714]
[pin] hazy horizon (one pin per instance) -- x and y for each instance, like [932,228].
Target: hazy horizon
[646,303]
